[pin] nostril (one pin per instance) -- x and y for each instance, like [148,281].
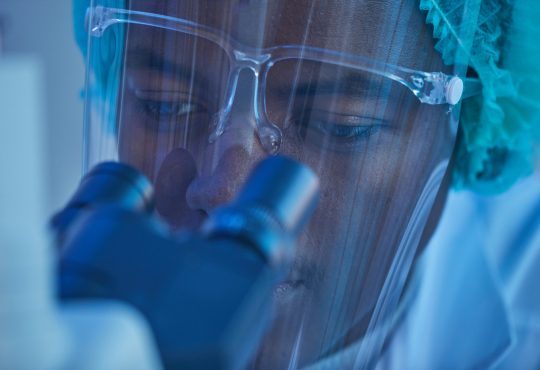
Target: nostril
[220,186]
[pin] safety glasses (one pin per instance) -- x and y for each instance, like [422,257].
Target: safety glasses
[273,68]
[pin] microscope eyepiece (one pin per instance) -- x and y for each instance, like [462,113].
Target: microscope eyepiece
[271,209]
[107,183]
[115,182]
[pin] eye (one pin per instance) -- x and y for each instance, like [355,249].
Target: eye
[171,105]
[336,131]
[342,132]
[171,109]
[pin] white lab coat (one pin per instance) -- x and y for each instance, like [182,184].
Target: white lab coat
[477,303]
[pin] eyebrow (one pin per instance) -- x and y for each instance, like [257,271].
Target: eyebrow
[148,59]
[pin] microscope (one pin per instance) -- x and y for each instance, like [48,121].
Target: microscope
[206,295]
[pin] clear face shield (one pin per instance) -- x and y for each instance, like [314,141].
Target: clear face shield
[195,93]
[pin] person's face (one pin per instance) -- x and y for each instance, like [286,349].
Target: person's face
[371,142]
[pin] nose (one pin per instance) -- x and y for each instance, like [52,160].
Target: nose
[231,156]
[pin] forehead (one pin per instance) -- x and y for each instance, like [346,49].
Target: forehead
[390,30]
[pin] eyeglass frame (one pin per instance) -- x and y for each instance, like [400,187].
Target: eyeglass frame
[433,88]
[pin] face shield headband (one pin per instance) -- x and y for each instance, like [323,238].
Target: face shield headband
[195,93]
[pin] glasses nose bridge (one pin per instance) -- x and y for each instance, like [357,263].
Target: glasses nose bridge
[253,61]
[269,135]
[243,62]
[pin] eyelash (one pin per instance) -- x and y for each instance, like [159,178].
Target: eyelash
[344,131]
[343,136]
[179,109]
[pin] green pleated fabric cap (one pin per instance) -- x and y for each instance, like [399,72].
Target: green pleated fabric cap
[500,129]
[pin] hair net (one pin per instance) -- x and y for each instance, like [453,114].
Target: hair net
[500,129]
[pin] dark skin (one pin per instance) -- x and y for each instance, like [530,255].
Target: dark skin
[374,179]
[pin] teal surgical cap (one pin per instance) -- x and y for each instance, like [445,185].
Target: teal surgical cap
[499,40]
[500,129]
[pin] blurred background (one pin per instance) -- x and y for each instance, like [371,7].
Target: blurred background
[42,31]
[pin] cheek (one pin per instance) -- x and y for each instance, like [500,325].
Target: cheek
[368,200]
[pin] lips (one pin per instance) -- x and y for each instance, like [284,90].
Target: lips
[288,288]
[299,279]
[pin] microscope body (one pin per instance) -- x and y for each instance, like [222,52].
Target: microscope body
[198,293]
[207,295]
